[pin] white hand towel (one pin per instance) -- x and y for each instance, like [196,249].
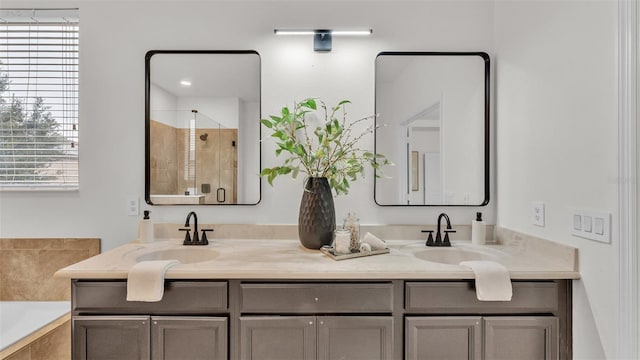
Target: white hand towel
[375,242]
[145,281]
[492,280]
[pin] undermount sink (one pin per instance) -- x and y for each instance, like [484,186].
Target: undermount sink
[455,255]
[184,255]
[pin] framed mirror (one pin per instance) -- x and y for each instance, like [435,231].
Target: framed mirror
[433,124]
[202,127]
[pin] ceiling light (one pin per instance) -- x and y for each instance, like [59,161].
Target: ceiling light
[185,83]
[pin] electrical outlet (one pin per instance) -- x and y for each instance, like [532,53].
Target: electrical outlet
[537,213]
[595,225]
[133,206]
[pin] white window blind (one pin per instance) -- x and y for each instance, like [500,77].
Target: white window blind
[38,99]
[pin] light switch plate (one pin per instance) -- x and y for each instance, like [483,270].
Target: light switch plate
[537,213]
[596,225]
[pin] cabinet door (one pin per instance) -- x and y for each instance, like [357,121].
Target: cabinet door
[513,337]
[111,337]
[194,338]
[277,337]
[355,337]
[440,337]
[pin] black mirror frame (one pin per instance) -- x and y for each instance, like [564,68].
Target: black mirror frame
[147,120]
[487,145]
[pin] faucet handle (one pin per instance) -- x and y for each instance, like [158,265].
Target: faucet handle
[429,237]
[203,239]
[446,241]
[187,236]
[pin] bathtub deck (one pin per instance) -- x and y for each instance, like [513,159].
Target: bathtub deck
[22,322]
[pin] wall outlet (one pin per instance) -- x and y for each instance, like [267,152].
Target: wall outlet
[537,213]
[133,206]
[591,224]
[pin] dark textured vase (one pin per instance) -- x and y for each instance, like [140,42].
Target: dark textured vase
[317,217]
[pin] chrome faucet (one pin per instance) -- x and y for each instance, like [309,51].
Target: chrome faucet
[196,239]
[439,241]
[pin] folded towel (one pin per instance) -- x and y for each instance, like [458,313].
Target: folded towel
[146,280]
[492,280]
[375,242]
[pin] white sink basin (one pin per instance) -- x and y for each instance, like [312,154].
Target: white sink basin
[184,255]
[455,255]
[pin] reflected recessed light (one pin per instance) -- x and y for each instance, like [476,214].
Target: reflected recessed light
[185,83]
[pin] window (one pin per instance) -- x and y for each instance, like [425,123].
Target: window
[38,99]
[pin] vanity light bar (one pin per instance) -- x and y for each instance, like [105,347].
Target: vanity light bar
[313,32]
[322,37]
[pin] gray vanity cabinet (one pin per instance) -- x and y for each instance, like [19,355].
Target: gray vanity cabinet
[278,337]
[468,337]
[355,337]
[111,337]
[190,322]
[445,320]
[443,337]
[179,338]
[521,337]
[144,337]
[316,320]
[316,337]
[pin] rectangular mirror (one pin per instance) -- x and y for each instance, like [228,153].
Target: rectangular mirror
[433,124]
[202,114]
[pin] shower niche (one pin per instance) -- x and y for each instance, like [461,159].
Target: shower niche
[202,128]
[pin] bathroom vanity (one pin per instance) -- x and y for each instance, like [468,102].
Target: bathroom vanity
[273,299]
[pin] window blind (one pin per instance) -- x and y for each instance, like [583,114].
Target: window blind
[39,99]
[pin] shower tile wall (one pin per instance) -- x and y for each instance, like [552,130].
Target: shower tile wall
[168,147]
[163,159]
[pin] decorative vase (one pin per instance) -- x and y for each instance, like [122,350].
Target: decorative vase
[317,217]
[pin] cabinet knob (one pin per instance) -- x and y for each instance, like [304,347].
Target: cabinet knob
[310,322]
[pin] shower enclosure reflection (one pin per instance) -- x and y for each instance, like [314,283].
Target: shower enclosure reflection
[202,116]
[193,159]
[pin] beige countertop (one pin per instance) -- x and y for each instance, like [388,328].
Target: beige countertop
[287,259]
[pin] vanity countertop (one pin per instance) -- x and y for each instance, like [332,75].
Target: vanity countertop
[287,259]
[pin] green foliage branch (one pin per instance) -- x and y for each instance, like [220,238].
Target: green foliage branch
[329,150]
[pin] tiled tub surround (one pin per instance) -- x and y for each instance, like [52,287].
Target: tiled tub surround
[27,267]
[34,304]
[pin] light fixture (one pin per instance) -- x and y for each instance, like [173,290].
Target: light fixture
[185,83]
[322,38]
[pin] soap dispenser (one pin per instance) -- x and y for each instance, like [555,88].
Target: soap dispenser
[478,230]
[145,229]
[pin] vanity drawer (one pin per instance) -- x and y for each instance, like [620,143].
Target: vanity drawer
[458,297]
[180,297]
[316,298]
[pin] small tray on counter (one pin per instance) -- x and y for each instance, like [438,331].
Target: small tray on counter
[331,252]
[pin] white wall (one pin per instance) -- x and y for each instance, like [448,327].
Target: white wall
[556,128]
[556,112]
[112,99]
[163,106]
